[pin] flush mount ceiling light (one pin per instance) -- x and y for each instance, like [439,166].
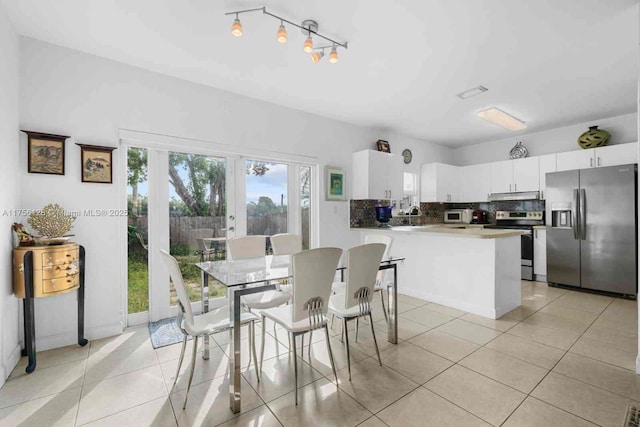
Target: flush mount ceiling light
[472,92]
[308,27]
[498,117]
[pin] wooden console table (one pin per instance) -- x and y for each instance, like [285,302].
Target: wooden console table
[44,271]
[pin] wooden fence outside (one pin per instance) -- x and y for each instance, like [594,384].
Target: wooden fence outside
[182,229]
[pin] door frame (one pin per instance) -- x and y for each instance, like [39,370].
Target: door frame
[161,145]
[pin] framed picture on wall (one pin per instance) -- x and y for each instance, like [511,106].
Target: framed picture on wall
[45,153]
[336,185]
[96,163]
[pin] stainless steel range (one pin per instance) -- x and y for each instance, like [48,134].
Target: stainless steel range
[521,220]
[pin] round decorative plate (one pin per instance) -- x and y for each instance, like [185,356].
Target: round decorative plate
[51,240]
[406,153]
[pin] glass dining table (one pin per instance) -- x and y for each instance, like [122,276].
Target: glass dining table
[253,275]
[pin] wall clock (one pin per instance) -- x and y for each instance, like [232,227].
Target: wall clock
[406,153]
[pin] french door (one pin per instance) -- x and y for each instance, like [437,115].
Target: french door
[189,203]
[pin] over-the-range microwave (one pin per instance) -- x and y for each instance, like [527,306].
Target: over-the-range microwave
[459,216]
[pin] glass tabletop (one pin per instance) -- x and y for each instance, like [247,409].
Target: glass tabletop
[254,270]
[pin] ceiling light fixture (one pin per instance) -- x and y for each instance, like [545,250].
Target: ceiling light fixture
[498,117]
[472,92]
[309,28]
[236,27]
[317,56]
[333,56]
[282,33]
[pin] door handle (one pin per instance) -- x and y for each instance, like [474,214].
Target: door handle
[574,215]
[232,228]
[231,217]
[583,214]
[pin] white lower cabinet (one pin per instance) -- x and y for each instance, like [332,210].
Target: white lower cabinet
[540,252]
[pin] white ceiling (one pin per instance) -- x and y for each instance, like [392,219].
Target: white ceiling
[549,62]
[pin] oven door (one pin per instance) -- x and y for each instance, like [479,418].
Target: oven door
[526,254]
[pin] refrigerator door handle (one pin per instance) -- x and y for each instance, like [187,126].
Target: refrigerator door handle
[583,215]
[574,215]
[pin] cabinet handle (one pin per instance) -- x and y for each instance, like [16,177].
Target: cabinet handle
[515,187]
[591,162]
[389,193]
[536,234]
[598,160]
[509,188]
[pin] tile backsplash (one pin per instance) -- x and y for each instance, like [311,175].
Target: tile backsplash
[363,215]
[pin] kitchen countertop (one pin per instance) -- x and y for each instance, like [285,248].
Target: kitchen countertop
[454,230]
[539,227]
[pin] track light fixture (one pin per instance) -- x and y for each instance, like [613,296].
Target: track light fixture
[308,27]
[236,27]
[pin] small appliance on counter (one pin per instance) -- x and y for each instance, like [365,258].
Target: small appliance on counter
[479,217]
[383,215]
[458,216]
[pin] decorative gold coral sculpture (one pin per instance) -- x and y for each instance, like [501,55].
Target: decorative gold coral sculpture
[51,221]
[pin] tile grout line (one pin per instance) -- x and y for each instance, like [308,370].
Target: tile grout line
[551,370]
[86,364]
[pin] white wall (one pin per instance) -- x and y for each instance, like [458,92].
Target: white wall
[622,129]
[9,195]
[72,93]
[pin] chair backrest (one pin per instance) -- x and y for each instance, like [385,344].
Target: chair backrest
[286,244]
[196,235]
[246,247]
[178,283]
[380,238]
[313,273]
[362,268]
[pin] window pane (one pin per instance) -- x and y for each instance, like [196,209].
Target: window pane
[137,195]
[266,194]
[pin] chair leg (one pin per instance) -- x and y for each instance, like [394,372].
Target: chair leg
[384,310]
[253,346]
[262,346]
[193,368]
[333,365]
[310,342]
[250,349]
[184,346]
[357,327]
[302,345]
[295,367]
[346,339]
[375,341]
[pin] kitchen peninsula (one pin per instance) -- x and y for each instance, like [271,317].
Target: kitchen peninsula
[472,269]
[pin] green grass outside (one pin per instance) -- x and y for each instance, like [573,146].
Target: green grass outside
[138,282]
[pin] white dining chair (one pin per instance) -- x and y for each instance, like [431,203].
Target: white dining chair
[362,264]
[246,247]
[204,324]
[382,279]
[313,272]
[286,244]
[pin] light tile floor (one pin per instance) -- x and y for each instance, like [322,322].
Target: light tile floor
[562,359]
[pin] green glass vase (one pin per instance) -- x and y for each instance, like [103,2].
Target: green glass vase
[594,137]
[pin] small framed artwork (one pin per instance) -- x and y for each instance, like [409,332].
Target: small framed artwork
[96,163]
[383,146]
[336,189]
[45,153]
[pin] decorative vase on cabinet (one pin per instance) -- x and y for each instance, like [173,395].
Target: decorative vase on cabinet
[594,137]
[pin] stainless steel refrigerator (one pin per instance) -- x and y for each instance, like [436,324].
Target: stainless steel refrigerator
[592,229]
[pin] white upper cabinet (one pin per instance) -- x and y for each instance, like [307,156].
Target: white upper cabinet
[377,175]
[526,174]
[515,175]
[547,165]
[440,183]
[476,182]
[620,154]
[611,155]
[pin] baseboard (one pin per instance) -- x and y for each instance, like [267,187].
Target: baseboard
[474,309]
[8,365]
[71,337]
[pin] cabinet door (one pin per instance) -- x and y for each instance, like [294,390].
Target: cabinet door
[395,176]
[547,165]
[540,252]
[502,177]
[449,183]
[620,154]
[476,182]
[572,160]
[526,174]
[378,169]
[428,183]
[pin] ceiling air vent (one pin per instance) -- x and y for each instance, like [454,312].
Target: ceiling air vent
[472,92]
